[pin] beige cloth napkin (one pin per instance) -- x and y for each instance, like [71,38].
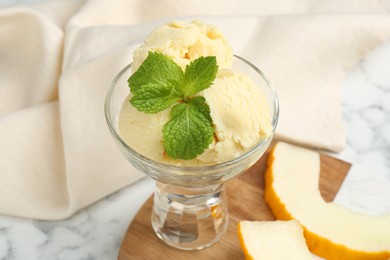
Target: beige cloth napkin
[58,58]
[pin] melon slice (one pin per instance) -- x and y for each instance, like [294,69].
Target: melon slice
[273,240]
[331,231]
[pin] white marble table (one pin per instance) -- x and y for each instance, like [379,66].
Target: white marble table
[96,232]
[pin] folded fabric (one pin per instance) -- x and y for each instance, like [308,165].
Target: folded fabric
[56,153]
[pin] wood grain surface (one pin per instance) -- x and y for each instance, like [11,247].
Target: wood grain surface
[245,202]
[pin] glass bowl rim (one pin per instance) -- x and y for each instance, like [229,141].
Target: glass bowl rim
[189,169]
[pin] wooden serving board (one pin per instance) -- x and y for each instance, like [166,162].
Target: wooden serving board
[245,202]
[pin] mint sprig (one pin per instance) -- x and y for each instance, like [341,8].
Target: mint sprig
[152,98]
[158,69]
[160,83]
[189,131]
[199,75]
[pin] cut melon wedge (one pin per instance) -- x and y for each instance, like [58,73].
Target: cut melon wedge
[331,231]
[273,240]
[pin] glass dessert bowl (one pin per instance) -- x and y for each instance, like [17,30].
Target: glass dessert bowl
[190,207]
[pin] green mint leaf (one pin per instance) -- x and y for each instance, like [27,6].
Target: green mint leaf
[160,83]
[201,105]
[199,75]
[188,133]
[152,98]
[156,69]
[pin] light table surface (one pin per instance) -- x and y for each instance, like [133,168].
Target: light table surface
[96,232]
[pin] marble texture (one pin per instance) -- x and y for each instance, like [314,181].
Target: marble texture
[96,232]
[366,113]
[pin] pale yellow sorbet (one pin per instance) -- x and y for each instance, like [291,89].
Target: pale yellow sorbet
[240,115]
[238,108]
[185,42]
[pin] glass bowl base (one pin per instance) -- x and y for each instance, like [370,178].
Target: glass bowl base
[189,218]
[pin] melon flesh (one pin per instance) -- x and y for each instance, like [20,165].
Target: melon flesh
[331,231]
[273,240]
